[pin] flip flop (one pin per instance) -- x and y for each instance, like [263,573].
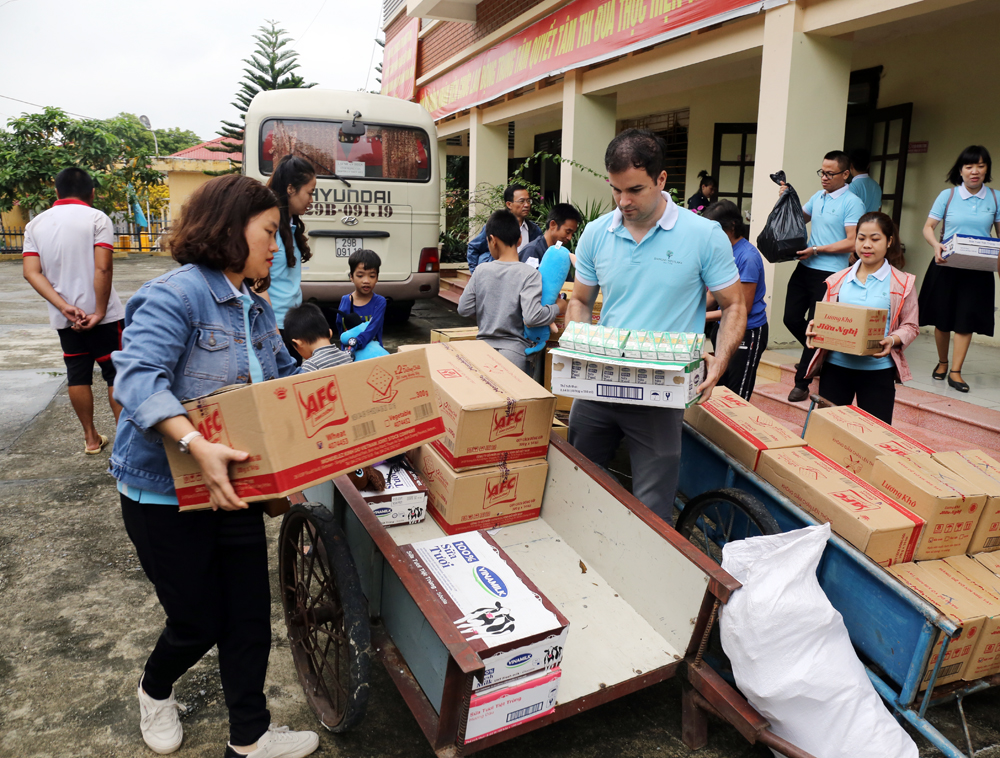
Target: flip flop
[97,450]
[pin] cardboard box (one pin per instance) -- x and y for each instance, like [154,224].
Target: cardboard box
[979,581]
[559,429]
[309,428]
[990,560]
[983,472]
[492,411]
[480,498]
[967,251]
[969,617]
[505,618]
[874,523]
[854,439]
[950,505]
[563,403]
[506,706]
[404,499]
[852,329]
[622,380]
[458,334]
[739,428]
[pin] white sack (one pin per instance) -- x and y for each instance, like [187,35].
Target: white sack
[791,654]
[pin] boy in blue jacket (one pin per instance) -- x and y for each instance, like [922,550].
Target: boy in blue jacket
[364,265]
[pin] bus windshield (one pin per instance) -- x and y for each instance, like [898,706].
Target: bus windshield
[383,153]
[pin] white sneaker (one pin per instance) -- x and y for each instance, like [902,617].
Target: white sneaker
[159,722]
[278,742]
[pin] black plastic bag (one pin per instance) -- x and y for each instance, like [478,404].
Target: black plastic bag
[784,233]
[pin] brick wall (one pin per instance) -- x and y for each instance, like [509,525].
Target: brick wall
[448,38]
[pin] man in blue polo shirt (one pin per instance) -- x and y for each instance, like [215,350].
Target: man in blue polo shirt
[653,262]
[834,212]
[862,185]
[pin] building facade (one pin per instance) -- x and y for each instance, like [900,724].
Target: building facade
[739,89]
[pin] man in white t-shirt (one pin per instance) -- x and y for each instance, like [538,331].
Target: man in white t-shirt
[67,259]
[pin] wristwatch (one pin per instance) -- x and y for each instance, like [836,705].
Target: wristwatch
[815,250]
[184,443]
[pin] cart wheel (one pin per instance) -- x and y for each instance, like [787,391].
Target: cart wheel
[714,518]
[326,615]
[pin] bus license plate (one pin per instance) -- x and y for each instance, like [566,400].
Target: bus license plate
[347,245]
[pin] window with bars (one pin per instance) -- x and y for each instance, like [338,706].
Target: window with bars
[733,162]
[673,128]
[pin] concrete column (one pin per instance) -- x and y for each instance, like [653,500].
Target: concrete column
[588,125]
[803,108]
[487,156]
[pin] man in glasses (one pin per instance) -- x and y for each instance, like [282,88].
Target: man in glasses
[833,213]
[518,202]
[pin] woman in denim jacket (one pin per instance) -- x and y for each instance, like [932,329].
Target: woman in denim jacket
[189,332]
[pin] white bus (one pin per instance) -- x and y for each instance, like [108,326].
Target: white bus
[378,185]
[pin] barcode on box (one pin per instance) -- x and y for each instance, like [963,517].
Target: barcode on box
[953,668]
[423,411]
[623,393]
[991,542]
[521,713]
[367,429]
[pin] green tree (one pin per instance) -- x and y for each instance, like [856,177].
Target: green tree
[269,67]
[127,127]
[38,146]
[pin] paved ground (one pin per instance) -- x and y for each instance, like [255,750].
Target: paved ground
[78,617]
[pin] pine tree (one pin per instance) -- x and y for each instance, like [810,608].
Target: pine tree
[269,67]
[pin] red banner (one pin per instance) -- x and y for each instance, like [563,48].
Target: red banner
[399,63]
[583,31]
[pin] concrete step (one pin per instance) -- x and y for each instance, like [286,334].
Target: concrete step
[451,295]
[772,397]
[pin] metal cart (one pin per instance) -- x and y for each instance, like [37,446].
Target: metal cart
[348,594]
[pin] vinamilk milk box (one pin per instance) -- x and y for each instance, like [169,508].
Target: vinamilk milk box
[511,625]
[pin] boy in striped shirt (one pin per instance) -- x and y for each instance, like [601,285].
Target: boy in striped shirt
[312,336]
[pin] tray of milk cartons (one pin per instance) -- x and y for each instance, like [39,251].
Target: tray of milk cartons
[635,367]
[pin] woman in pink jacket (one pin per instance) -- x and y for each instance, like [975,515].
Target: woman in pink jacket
[874,281]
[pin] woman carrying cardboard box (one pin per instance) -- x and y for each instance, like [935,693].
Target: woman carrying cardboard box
[874,281]
[954,299]
[187,333]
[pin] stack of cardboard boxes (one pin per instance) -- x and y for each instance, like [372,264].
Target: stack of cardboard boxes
[517,632]
[930,518]
[489,469]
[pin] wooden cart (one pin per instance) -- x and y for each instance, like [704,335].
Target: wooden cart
[642,612]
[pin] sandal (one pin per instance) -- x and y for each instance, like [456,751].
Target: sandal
[960,386]
[96,450]
[940,377]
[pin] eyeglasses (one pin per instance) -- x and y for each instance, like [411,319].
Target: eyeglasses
[525,201]
[829,174]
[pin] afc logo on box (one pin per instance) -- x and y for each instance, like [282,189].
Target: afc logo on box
[320,404]
[208,419]
[507,424]
[499,490]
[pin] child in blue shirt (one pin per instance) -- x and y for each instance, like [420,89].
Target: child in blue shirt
[364,265]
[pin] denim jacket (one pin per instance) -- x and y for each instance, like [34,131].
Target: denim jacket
[183,338]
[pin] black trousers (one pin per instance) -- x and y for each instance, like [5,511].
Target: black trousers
[209,569]
[805,288]
[875,390]
[741,374]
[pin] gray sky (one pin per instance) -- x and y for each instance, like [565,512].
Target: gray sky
[178,62]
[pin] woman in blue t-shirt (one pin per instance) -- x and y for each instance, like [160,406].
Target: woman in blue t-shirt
[954,299]
[293,181]
[741,373]
[873,280]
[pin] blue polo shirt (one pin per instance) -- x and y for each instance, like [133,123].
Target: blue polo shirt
[660,282]
[873,293]
[867,191]
[831,214]
[967,213]
[748,261]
